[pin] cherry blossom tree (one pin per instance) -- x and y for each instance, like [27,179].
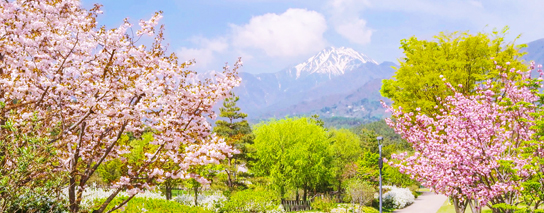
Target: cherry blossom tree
[473,150]
[89,86]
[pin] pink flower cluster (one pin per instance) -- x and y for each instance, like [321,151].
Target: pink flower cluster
[89,85]
[463,151]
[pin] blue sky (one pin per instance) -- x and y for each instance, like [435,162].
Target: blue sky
[270,35]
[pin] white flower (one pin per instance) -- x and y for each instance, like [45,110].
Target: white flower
[401,197]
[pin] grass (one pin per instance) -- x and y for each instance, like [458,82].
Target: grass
[423,190]
[448,208]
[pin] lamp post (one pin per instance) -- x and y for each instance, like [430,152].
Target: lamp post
[380,164]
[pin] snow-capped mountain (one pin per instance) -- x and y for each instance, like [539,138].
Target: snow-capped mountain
[332,61]
[323,84]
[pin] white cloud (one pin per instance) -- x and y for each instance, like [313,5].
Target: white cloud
[346,20]
[292,33]
[355,31]
[204,55]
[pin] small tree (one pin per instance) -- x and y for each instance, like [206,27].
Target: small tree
[360,192]
[237,133]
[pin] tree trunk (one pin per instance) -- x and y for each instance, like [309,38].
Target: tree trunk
[195,188]
[168,191]
[475,206]
[339,190]
[229,180]
[297,199]
[282,191]
[72,195]
[459,206]
[305,193]
[361,205]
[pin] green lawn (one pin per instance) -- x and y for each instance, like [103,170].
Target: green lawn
[423,190]
[176,192]
[448,208]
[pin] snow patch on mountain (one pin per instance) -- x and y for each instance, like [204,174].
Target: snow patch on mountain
[333,61]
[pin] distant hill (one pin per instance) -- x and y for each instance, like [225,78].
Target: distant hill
[335,83]
[535,51]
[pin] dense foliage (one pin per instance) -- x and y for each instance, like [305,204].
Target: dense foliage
[253,201]
[464,59]
[294,153]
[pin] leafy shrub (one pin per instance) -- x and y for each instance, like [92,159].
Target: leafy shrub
[388,202]
[37,203]
[323,204]
[359,191]
[397,197]
[252,201]
[370,210]
[143,204]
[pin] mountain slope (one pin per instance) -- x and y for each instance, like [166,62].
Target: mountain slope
[325,79]
[535,51]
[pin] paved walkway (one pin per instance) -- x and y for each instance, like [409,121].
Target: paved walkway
[428,202]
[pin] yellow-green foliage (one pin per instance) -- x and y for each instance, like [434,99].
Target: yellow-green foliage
[252,201]
[293,152]
[370,210]
[324,204]
[461,58]
[139,204]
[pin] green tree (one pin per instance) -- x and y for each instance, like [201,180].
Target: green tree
[237,133]
[346,149]
[293,152]
[463,59]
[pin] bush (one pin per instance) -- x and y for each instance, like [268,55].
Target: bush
[143,204]
[323,204]
[252,201]
[359,191]
[370,210]
[397,197]
[37,203]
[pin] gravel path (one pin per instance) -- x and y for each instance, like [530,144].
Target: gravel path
[428,202]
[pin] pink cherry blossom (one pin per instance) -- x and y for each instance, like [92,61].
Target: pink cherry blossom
[88,86]
[461,152]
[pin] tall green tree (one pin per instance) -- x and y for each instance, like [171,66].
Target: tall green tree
[237,132]
[463,59]
[293,153]
[346,149]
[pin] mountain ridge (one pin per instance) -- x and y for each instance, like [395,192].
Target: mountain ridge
[323,80]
